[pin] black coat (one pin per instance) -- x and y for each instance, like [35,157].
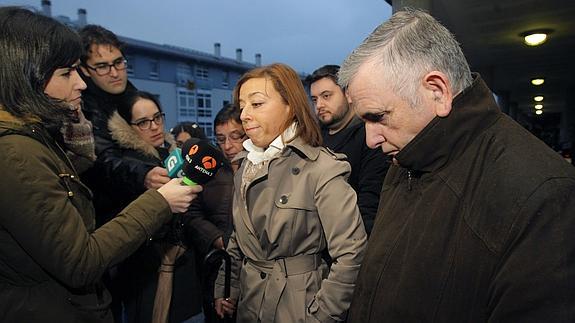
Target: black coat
[110,168]
[208,219]
[475,224]
[368,167]
[137,279]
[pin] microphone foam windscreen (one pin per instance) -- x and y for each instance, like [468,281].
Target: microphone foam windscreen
[201,161]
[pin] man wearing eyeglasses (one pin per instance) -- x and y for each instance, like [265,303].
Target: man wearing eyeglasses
[103,69]
[103,66]
[230,134]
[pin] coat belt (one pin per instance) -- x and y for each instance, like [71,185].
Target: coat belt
[289,266]
[280,269]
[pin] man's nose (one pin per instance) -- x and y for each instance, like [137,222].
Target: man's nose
[372,137]
[113,71]
[227,144]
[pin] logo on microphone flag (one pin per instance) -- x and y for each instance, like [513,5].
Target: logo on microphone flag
[193,150]
[209,162]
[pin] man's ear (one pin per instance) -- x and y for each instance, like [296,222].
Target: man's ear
[439,92]
[84,70]
[347,97]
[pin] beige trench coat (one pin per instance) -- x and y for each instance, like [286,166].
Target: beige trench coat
[297,207]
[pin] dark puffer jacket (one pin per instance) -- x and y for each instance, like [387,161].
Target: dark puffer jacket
[51,258]
[110,168]
[207,220]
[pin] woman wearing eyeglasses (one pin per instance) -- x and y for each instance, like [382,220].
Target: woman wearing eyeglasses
[137,127]
[145,279]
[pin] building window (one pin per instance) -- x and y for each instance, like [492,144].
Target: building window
[130,67]
[202,72]
[184,74]
[186,104]
[154,69]
[204,104]
[226,79]
[208,129]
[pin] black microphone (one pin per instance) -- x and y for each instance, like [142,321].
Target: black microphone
[201,161]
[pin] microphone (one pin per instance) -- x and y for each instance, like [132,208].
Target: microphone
[174,163]
[201,161]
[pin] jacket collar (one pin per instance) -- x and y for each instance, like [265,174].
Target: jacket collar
[444,139]
[296,145]
[11,122]
[32,127]
[126,137]
[300,146]
[353,122]
[94,91]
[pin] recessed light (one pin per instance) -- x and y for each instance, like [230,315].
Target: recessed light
[538,98]
[539,106]
[539,112]
[537,81]
[535,37]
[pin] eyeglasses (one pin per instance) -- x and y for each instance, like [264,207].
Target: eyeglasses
[232,137]
[146,124]
[105,68]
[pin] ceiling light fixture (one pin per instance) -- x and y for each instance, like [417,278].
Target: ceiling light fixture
[539,106]
[535,37]
[538,98]
[537,81]
[539,112]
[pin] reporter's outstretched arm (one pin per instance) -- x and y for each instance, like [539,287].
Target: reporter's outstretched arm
[179,196]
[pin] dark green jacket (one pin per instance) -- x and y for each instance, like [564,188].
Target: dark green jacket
[51,259]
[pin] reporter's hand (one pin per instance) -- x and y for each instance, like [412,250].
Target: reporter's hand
[225,306]
[156,177]
[179,196]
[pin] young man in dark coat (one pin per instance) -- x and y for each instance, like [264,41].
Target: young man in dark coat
[103,68]
[477,216]
[343,132]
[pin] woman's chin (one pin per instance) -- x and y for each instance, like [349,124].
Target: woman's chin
[158,142]
[263,144]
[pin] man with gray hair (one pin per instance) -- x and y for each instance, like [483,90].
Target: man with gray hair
[477,215]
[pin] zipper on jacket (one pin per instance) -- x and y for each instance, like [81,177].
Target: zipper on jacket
[409,178]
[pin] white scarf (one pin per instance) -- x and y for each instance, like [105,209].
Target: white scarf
[257,155]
